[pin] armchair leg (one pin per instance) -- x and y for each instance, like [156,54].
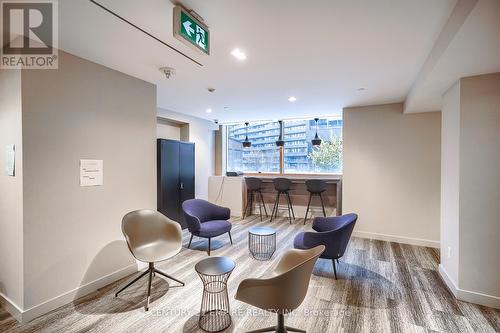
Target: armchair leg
[151,270]
[334,269]
[209,245]
[132,282]
[230,238]
[190,240]
[168,276]
[262,330]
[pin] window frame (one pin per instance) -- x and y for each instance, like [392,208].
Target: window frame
[281,171]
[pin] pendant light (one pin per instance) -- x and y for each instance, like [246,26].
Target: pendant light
[246,143]
[280,142]
[316,141]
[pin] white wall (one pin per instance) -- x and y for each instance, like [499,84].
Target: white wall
[450,181]
[11,190]
[201,132]
[72,234]
[479,267]
[392,173]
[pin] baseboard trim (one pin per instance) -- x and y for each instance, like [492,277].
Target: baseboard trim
[467,295]
[11,307]
[27,315]
[398,239]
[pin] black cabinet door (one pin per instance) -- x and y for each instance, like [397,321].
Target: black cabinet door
[186,171]
[168,179]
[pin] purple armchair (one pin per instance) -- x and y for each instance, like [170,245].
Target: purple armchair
[333,232]
[206,220]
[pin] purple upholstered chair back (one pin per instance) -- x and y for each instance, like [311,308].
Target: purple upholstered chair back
[198,211]
[333,232]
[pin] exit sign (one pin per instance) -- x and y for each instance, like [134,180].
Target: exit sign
[191,31]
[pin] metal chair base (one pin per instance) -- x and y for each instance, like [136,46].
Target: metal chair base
[151,272]
[309,203]
[289,207]
[250,202]
[210,241]
[280,328]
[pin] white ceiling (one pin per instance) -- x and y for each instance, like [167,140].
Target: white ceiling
[319,51]
[473,49]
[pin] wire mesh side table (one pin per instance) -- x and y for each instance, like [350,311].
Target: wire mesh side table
[262,242]
[214,313]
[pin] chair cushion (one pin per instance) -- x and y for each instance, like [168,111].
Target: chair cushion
[298,242]
[214,228]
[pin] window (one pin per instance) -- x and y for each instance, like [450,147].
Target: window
[299,156]
[262,156]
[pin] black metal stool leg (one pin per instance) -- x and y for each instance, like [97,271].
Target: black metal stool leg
[288,206]
[260,208]
[322,205]
[209,245]
[263,203]
[307,210]
[246,206]
[291,206]
[275,207]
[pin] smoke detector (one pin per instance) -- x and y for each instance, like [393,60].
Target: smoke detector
[168,71]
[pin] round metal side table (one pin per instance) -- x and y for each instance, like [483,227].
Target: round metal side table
[214,313]
[262,242]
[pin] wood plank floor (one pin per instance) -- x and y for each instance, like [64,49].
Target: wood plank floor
[382,287]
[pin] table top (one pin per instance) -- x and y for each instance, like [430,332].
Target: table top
[262,231]
[215,266]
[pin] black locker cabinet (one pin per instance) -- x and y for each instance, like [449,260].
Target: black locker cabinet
[175,177]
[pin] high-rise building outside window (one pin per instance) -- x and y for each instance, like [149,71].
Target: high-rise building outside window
[299,155]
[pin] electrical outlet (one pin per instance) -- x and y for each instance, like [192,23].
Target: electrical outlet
[449,252]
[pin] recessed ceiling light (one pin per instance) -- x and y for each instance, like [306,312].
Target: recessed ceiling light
[238,54]
[209,110]
[292,99]
[361,89]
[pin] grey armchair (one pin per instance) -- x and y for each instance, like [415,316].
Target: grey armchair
[151,237]
[285,290]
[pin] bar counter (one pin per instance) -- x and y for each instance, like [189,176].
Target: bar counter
[231,192]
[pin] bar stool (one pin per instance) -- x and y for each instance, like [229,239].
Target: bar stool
[254,186]
[282,186]
[315,187]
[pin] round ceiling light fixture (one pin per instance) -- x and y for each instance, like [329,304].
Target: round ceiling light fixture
[292,99]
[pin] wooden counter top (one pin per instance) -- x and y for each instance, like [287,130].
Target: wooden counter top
[299,178]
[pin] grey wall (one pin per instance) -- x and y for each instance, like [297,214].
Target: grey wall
[72,234]
[11,189]
[392,173]
[479,267]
